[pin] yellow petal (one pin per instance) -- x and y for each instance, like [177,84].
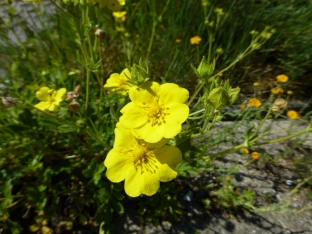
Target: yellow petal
[172,93]
[123,137]
[158,144]
[149,133]
[117,163]
[43,94]
[178,113]
[125,74]
[146,93]
[168,158]
[140,182]
[53,106]
[112,81]
[43,105]
[133,116]
[60,94]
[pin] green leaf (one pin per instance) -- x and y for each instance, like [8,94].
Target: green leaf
[66,128]
[118,207]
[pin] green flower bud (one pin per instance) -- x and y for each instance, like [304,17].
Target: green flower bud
[218,98]
[204,70]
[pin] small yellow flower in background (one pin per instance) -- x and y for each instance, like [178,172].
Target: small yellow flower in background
[282,78]
[227,178]
[156,111]
[113,5]
[219,11]
[245,151]
[256,84]
[220,74]
[290,92]
[5,217]
[195,40]
[293,114]
[243,106]
[120,15]
[118,83]
[254,102]
[178,40]
[255,155]
[50,99]
[277,90]
[142,165]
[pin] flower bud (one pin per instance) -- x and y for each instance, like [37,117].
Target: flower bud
[74,105]
[8,101]
[77,90]
[71,95]
[218,97]
[219,51]
[100,33]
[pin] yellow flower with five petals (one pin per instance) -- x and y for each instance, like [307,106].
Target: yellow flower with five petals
[142,165]
[50,99]
[118,83]
[156,111]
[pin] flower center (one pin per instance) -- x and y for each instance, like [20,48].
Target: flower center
[144,158]
[156,114]
[122,82]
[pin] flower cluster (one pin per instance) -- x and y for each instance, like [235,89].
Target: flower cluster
[140,155]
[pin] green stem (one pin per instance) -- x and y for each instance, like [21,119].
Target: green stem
[87,90]
[197,112]
[282,138]
[225,151]
[96,137]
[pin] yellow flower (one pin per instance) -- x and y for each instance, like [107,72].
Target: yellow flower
[290,92]
[277,90]
[219,11]
[245,151]
[256,84]
[243,106]
[156,111]
[178,40]
[255,155]
[113,5]
[195,40]
[118,83]
[282,78]
[254,102]
[227,178]
[142,165]
[293,114]
[120,15]
[50,99]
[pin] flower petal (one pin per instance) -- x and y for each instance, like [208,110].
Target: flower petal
[146,93]
[148,133]
[117,163]
[168,158]
[53,106]
[138,182]
[44,94]
[158,144]
[124,138]
[60,95]
[133,116]
[43,105]
[172,93]
[178,113]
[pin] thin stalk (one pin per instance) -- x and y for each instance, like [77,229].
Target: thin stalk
[282,138]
